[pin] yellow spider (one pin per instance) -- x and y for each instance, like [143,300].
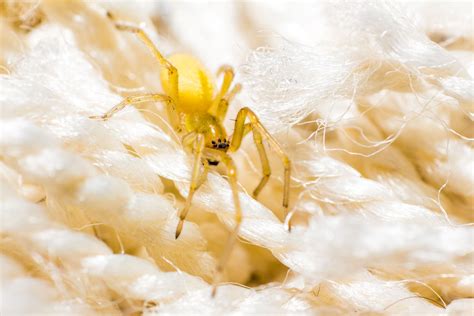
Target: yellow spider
[196,113]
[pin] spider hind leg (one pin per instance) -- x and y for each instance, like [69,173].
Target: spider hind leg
[157,97]
[172,71]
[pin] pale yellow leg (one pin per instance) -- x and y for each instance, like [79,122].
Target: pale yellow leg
[221,102]
[232,178]
[135,100]
[224,102]
[228,72]
[204,173]
[239,133]
[188,140]
[195,182]
[266,171]
[172,71]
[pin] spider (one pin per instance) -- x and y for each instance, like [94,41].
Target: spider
[196,113]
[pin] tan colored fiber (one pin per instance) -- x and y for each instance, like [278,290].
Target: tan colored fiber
[373,101]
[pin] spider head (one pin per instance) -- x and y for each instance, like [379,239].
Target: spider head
[220,144]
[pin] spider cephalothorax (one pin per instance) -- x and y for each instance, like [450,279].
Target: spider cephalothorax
[196,112]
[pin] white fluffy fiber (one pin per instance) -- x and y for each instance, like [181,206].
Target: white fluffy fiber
[373,101]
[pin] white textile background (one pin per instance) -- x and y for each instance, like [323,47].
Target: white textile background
[372,100]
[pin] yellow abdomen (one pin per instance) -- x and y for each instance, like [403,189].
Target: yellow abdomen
[194,84]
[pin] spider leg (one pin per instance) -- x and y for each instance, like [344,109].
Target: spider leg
[223,105]
[220,103]
[172,71]
[266,171]
[188,141]
[232,178]
[134,100]
[228,72]
[195,182]
[204,173]
[240,130]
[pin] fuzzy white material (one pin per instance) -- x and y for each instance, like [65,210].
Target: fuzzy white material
[372,100]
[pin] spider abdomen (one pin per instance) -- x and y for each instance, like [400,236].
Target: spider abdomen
[196,90]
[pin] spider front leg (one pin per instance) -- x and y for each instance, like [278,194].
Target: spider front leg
[195,182]
[257,137]
[260,132]
[232,178]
